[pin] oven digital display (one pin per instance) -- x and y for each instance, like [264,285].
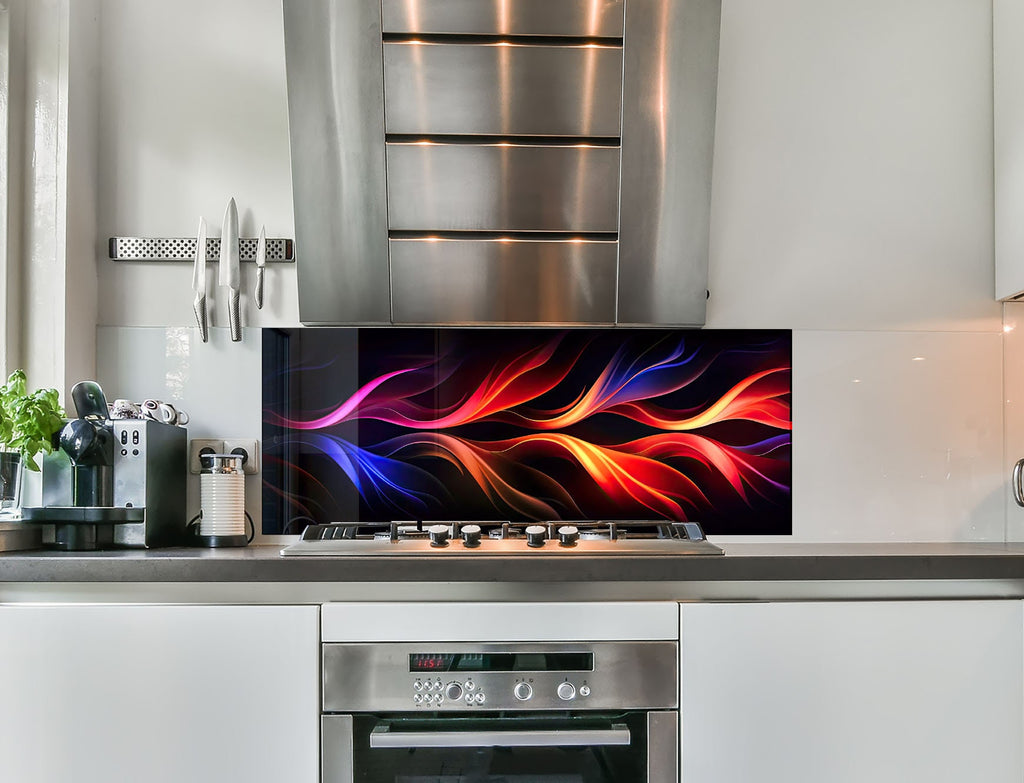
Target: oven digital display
[501,662]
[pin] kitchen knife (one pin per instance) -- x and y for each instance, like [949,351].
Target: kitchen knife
[261,262]
[229,275]
[199,281]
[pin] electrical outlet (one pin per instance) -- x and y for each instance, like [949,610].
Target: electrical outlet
[198,446]
[249,449]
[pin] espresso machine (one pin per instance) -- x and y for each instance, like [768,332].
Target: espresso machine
[112,483]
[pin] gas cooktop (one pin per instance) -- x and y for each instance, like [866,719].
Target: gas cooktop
[634,538]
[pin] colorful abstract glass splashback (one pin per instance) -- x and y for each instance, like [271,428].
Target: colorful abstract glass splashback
[380,424]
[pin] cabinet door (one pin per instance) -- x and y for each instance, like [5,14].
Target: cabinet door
[162,694]
[1008,151]
[858,692]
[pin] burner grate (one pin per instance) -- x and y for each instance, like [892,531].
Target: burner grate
[637,538]
[586,530]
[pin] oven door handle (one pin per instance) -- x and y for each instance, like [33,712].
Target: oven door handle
[383,737]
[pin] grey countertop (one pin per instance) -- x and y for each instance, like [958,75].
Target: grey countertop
[741,563]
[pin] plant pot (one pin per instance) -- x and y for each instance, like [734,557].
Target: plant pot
[11,469]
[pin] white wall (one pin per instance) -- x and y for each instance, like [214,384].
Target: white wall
[193,112]
[852,203]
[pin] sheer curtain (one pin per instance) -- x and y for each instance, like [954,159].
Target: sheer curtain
[48,152]
[7,323]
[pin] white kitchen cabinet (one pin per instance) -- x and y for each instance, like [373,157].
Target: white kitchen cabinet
[161,694]
[1008,131]
[852,692]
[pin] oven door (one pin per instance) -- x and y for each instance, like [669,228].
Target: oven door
[630,747]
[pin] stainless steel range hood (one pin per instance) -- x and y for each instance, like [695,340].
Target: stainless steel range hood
[502,161]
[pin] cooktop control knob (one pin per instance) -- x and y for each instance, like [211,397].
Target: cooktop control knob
[453,692]
[566,691]
[536,535]
[568,535]
[438,535]
[471,535]
[522,691]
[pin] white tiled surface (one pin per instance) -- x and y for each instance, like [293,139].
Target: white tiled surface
[889,448]
[217,383]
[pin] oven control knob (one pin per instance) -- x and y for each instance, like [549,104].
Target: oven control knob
[438,535]
[522,691]
[566,691]
[453,692]
[471,535]
[536,535]
[568,535]
[584,690]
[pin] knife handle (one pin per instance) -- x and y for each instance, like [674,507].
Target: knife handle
[199,306]
[258,294]
[234,317]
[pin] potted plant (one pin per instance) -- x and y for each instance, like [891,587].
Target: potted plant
[28,423]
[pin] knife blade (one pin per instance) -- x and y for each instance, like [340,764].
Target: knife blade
[229,273]
[199,282]
[261,262]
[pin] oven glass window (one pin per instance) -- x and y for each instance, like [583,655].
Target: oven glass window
[478,760]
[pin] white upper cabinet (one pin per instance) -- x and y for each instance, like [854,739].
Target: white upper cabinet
[1008,112]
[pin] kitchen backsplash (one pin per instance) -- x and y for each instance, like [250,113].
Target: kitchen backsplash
[216,383]
[483,424]
[897,435]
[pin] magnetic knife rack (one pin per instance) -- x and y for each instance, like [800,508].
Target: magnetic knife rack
[279,251]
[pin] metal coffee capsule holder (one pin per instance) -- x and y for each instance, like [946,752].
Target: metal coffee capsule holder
[112,483]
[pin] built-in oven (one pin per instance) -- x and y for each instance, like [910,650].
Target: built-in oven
[518,712]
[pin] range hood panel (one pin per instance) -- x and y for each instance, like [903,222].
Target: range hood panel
[495,281]
[665,218]
[336,127]
[438,88]
[502,188]
[593,18]
[579,131]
